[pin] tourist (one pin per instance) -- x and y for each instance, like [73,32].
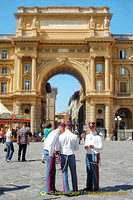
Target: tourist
[49,154]
[9,144]
[67,143]
[47,130]
[22,140]
[2,135]
[93,145]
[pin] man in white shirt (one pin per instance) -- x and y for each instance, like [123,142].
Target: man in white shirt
[49,154]
[67,144]
[93,145]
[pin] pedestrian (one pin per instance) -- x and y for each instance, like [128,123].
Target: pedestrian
[22,140]
[47,130]
[49,154]
[2,135]
[9,144]
[67,143]
[93,145]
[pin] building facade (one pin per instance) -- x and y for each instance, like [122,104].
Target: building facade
[50,106]
[61,117]
[74,105]
[72,40]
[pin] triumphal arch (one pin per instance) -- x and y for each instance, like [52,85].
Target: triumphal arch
[75,41]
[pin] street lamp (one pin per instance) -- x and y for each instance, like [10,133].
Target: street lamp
[118,119]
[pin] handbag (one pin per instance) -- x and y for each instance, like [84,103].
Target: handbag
[5,148]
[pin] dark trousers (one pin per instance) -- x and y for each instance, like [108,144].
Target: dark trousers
[2,140]
[51,171]
[22,147]
[92,166]
[65,162]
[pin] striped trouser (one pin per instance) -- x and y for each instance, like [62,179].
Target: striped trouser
[51,171]
[92,168]
[65,162]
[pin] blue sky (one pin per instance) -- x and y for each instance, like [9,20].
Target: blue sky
[121,23]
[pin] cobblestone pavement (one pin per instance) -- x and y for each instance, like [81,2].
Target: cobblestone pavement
[24,180]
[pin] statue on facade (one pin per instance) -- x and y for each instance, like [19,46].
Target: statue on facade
[92,23]
[106,23]
[20,22]
[34,22]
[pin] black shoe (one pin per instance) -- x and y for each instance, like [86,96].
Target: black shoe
[18,159]
[96,190]
[68,195]
[87,189]
[24,160]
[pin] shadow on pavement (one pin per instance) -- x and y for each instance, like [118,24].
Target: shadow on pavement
[117,188]
[9,189]
[34,160]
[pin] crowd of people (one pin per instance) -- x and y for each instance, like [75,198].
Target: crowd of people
[21,135]
[61,143]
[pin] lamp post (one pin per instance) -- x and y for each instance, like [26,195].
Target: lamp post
[118,119]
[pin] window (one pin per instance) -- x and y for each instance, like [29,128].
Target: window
[122,70]
[4,54]
[4,70]
[122,86]
[27,85]
[99,111]
[27,111]
[27,67]
[122,54]
[99,85]
[3,87]
[99,67]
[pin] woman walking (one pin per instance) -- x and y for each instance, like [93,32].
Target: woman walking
[2,135]
[9,144]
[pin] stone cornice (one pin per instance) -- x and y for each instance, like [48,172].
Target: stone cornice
[6,61]
[99,40]
[63,9]
[120,61]
[26,39]
[109,15]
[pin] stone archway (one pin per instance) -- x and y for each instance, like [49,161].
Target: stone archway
[63,66]
[126,116]
[60,66]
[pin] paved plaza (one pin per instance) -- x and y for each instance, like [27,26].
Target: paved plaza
[24,180]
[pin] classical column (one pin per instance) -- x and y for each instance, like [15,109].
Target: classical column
[16,108]
[33,118]
[92,113]
[92,73]
[107,120]
[107,74]
[87,113]
[38,116]
[15,76]
[33,73]
[19,73]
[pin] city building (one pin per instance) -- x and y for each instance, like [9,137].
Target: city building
[72,40]
[77,112]
[61,117]
[74,104]
[50,106]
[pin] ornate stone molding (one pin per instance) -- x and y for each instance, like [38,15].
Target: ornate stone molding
[63,61]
